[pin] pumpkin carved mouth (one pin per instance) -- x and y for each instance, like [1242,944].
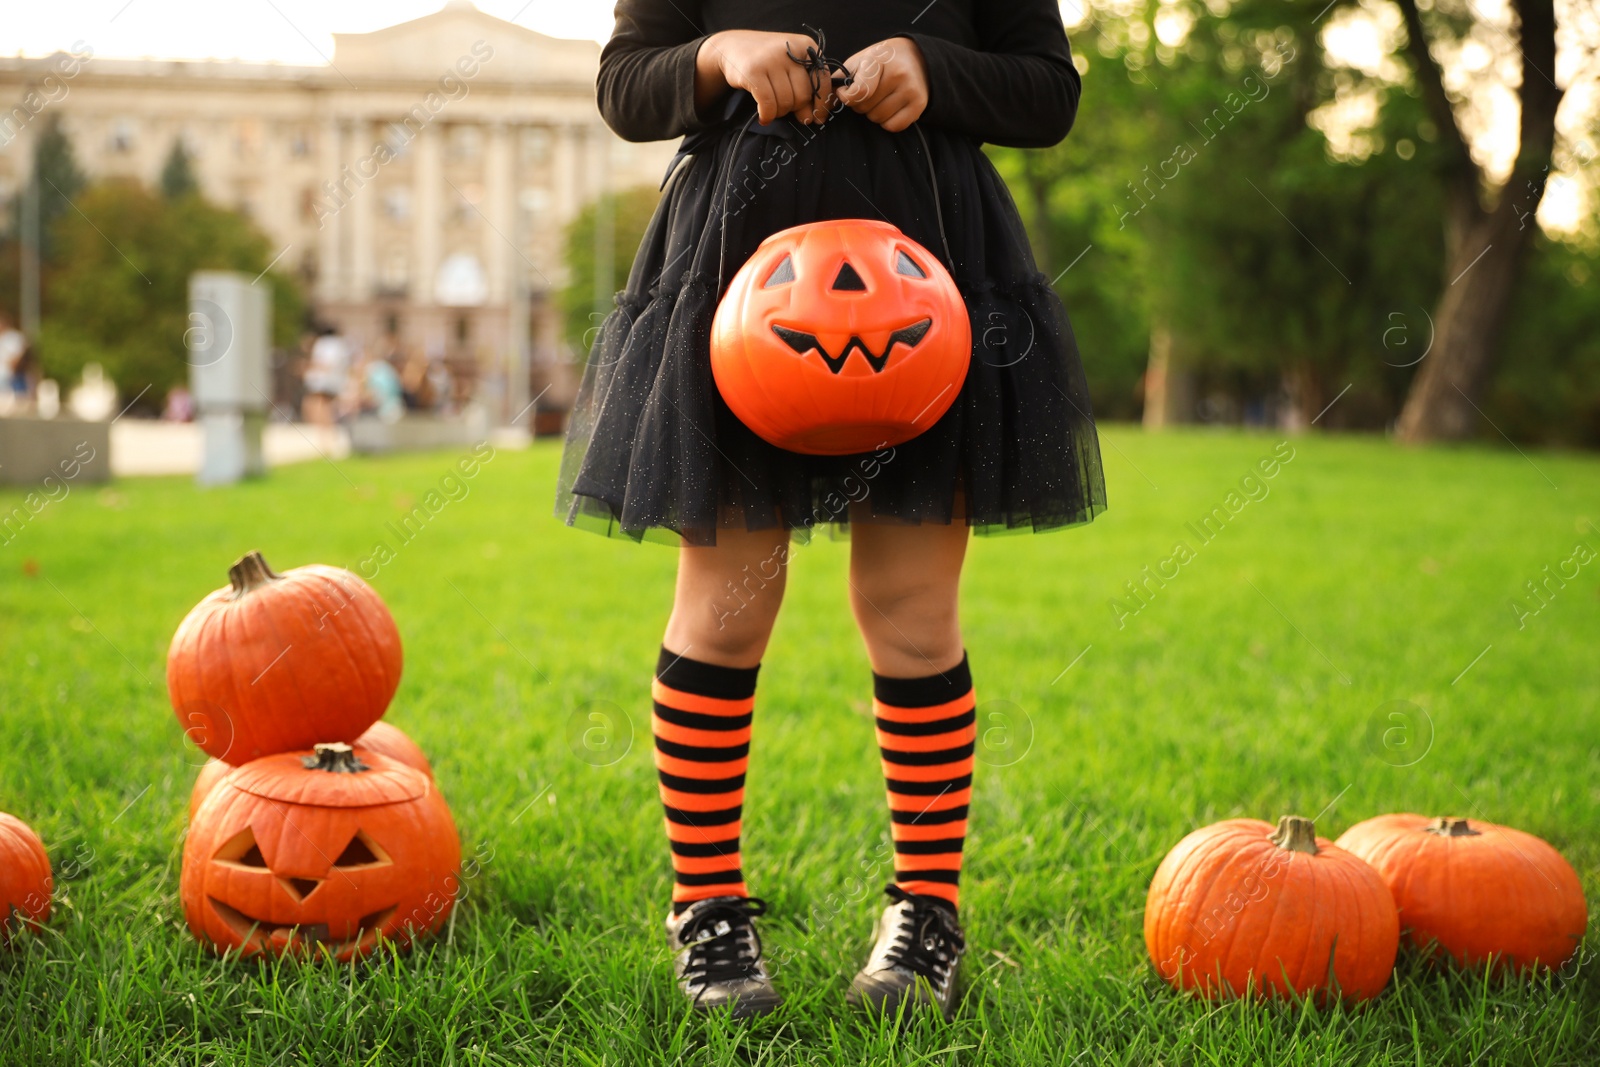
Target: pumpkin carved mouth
[803,342]
[259,933]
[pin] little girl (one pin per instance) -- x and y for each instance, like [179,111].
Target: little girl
[781,131]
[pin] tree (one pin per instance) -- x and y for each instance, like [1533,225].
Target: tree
[120,296]
[1486,230]
[1231,253]
[596,266]
[177,176]
[58,180]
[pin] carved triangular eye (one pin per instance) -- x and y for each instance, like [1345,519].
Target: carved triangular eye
[904,264]
[362,851]
[241,850]
[848,281]
[781,274]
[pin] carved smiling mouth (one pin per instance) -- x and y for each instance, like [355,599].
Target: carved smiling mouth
[259,932]
[803,342]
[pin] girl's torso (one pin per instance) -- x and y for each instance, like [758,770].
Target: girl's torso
[848,25]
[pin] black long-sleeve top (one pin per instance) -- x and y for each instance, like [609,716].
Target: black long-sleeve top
[998,70]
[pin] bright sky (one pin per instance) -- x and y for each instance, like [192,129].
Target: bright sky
[289,31]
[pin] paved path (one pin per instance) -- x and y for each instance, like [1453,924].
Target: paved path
[147,446]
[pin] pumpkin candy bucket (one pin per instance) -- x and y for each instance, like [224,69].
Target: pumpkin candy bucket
[840,337]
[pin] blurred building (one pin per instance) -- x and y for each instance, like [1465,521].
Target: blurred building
[419,183]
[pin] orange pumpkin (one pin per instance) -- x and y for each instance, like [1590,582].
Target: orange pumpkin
[1476,891]
[325,850]
[840,337]
[1239,905]
[384,739]
[277,662]
[25,882]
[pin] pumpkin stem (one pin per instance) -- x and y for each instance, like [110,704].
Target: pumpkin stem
[250,572]
[335,757]
[1296,833]
[1445,826]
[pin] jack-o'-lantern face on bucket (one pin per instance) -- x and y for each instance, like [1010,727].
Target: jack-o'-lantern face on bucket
[301,850]
[840,337]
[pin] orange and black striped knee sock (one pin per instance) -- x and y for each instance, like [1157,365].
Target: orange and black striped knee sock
[701,724]
[926,735]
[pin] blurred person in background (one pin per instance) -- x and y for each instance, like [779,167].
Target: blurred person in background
[13,372]
[179,406]
[326,375]
[381,392]
[414,386]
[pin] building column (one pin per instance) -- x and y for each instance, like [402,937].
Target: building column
[427,175]
[330,271]
[564,162]
[364,195]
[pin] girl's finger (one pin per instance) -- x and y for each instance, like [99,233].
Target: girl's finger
[863,87]
[766,98]
[800,90]
[886,107]
[901,119]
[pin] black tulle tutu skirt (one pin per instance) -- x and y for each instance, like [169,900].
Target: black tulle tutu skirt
[652,451]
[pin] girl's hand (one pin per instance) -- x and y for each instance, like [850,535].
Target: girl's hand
[759,63]
[891,83]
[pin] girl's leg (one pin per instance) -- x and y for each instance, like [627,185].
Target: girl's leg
[904,582]
[704,692]
[726,603]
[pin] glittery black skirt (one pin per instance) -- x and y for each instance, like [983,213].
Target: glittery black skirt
[652,451]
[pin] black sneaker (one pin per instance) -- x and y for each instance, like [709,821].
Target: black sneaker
[717,954]
[919,945]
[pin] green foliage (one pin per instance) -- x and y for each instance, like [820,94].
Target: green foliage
[582,308]
[1392,569]
[58,179]
[120,296]
[177,175]
[1548,386]
[1210,206]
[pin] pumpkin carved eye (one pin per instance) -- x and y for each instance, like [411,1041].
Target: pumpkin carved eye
[362,852]
[241,850]
[782,274]
[904,264]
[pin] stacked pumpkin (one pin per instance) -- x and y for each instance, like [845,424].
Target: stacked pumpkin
[1241,907]
[314,827]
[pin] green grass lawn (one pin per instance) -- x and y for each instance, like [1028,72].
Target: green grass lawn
[1262,678]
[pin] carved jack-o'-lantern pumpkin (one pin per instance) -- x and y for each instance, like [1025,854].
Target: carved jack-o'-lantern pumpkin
[382,738]
[24,878]
[320,850]
[840,337]
[277,662]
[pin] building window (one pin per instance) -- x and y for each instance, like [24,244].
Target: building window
[397,203]
[299,143]
[460,281]
[398,137]
[465,143]
[463,328]
[535,200]
[535,144]
[391,324]
[122,137]
[247,138]
[395,272]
